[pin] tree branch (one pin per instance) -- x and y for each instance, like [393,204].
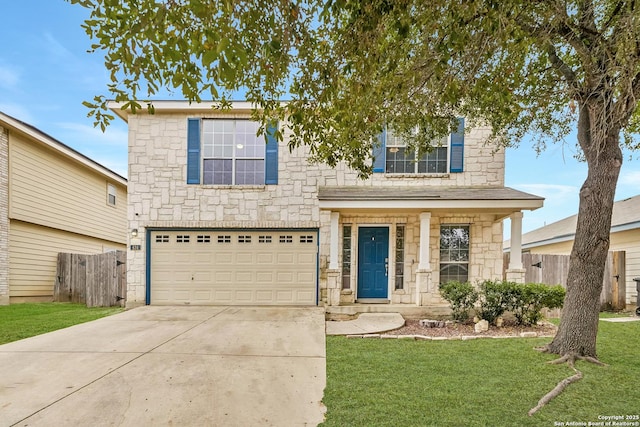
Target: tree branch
[562,67]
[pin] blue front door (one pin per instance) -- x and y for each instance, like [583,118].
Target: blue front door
[373,262]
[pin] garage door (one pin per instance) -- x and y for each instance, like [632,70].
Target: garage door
[274,267]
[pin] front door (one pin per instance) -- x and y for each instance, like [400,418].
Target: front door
[373,262]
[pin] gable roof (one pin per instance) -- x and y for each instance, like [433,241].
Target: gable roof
[626,216]
[41,137]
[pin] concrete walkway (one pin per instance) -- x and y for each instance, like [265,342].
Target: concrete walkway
[366,323]
[180,366]
[621,319]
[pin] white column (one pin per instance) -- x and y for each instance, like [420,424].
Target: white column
[515,259]
[425,229]
[334,243]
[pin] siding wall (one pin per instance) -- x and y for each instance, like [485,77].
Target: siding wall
[50,190]
[4,216]
[33,252]
[628,241]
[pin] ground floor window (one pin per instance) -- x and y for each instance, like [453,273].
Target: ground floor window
[346,257]
[454,253]
[400,256]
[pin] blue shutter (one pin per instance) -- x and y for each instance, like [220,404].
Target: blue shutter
[457,148]
[193,151]
[271,156]
[379,153]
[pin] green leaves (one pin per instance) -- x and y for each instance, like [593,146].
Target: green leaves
[350,68]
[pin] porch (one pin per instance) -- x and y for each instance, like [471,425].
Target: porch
[407,311]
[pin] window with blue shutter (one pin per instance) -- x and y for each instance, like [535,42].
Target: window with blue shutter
[193,151]
[457,148]
[379,153]
[231,152]
[271,156]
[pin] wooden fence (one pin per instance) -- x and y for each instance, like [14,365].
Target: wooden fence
[96,280]
[553,269]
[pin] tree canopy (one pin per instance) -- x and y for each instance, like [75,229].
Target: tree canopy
[349,68]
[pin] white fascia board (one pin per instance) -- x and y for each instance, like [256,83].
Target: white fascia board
[431,204]
[181,106]
[64,150]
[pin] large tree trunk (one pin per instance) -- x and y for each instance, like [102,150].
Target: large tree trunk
[579,323]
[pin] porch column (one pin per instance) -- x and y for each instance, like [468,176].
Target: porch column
[423,274]
[425,229]
[515,271]
[515,260]
[333,272]
[334,241]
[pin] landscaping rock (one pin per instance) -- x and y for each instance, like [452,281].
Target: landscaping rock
[481,326]
[432,323]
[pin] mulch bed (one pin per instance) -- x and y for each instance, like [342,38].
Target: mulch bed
[454,329]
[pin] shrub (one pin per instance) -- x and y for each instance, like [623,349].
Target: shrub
[461,296]
[529,300]
[495,298]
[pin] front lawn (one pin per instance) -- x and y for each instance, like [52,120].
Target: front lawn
[18,321]
[485,382]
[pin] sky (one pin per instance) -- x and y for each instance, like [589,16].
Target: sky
[46,74]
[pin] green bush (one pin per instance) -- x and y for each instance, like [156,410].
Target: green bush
[461,296]
[529,300]
[495,298]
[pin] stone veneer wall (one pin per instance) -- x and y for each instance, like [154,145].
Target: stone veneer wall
[4,216]
[485,250]
[160,197]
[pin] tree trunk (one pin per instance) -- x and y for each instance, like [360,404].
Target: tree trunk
[579,322]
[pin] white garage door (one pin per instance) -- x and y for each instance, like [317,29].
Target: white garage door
[273,267]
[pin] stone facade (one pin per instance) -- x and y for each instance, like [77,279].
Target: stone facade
[4,216]
[160,197]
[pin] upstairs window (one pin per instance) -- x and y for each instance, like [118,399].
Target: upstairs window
[232,153]
[391,155]
[400,159]
[111,194]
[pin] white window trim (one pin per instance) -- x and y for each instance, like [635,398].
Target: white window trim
[467,262]
[233,157]
[112,191]
[415,159]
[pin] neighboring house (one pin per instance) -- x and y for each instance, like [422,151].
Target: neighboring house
[52,199]
[557,238]
[218,216]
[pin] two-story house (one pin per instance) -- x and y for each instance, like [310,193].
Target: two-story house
[52,199]
[218,215]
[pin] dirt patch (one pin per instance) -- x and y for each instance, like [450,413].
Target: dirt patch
[453,329]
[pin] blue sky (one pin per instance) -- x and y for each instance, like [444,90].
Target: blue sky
[46,73]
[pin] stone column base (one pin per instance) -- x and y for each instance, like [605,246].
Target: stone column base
[423,286]
[333,287]
[4,299]
[516,275]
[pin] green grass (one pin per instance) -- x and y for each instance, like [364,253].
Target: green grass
[489,382]
[18,321]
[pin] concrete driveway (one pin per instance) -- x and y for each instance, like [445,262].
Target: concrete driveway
[178,366]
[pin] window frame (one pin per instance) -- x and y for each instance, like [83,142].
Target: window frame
[347,255]
[235,157]
[112,192]
[450,262]
[395,142]
[400,247]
